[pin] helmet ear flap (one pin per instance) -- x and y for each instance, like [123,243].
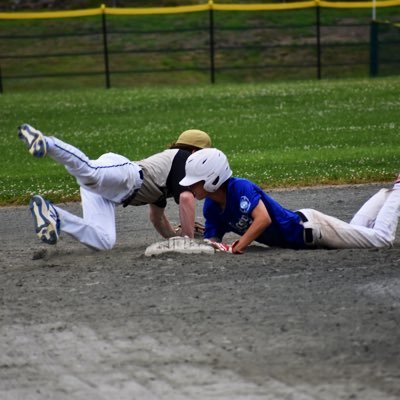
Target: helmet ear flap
[212,186]
[215,181]
[223,175]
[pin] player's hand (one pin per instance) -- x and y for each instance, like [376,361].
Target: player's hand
[225,247]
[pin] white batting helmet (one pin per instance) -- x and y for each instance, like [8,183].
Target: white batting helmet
[208,165]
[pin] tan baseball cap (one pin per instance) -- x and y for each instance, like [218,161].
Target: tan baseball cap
[195,138]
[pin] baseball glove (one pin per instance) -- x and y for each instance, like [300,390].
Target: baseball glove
[198,230]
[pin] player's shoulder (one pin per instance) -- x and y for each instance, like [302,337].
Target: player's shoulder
[183,152]
[181,155]
[236,184]
[241,190]
[165,155]
[168,152]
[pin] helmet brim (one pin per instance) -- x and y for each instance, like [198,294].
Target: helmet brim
[188,181]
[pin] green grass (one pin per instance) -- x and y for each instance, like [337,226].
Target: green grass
[281,134]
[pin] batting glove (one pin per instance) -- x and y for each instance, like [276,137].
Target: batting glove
[227,248]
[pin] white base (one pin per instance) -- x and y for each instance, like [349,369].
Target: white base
[179,244]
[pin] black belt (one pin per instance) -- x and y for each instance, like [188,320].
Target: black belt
[125,202]
[308,233]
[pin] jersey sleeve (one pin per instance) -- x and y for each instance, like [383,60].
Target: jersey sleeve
[176,174]
[214,228]
[161,202]
[248,196]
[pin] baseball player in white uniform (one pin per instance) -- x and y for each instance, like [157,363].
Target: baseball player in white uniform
[110,180]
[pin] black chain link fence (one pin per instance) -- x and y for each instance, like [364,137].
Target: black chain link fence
[196,48]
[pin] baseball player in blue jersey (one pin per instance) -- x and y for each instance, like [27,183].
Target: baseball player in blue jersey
[111,180]
[240,206]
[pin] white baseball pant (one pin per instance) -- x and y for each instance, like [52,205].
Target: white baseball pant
[374,225]
[104,183]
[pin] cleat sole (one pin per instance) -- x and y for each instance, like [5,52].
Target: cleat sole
[45,227]
[33,141]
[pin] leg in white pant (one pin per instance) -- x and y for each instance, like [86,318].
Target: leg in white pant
[104,183]
[388,216]
[112,176]
[367,214]
[330,232]
[97,227]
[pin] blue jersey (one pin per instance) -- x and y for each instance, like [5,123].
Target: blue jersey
[242,196]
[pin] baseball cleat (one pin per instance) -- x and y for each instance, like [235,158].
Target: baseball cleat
[397,180]
[33,139]
[46,220]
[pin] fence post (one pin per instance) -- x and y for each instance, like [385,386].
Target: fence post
[211,35]
[1,81]
[318,28]
[373,49]
[105,46]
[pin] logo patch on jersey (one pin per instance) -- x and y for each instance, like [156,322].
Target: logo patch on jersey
[244,204]
[242,225]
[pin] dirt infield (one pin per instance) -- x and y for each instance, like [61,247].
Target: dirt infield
[269,324]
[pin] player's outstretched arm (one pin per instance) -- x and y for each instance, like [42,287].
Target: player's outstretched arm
[261,221]
[161,222]
[187,211]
